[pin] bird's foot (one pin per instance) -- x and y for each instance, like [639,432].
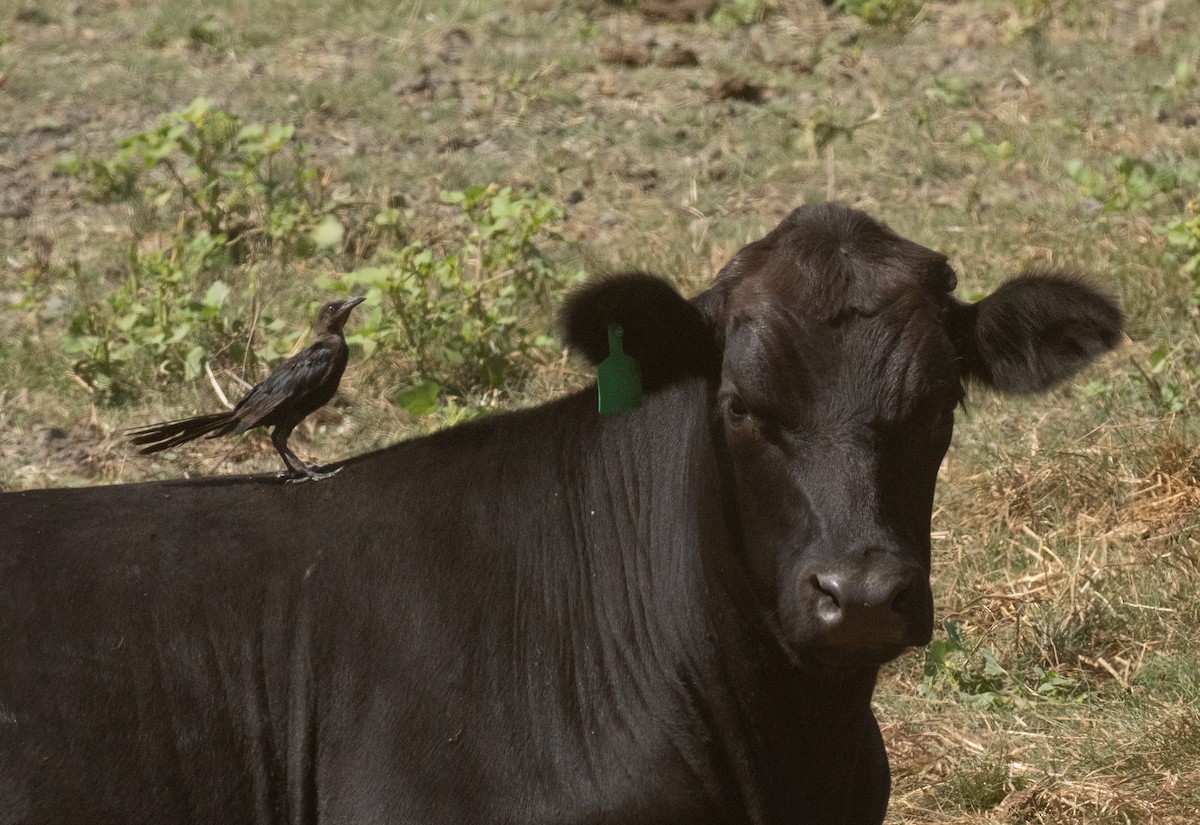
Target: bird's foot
[308,474]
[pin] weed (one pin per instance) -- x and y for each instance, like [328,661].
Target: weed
[204,33]
[975,138]
[951,90]
[733,13]
[1128,183]
[1168,396]
[1161,383]
[230,197]
[979,784]
[467,315]
[154,318]
[246,183]
[979,679]
[823,127]
[1179,86]
[1183,234]
[1029,22]
[37,277]
[895,13]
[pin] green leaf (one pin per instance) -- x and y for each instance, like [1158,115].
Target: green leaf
[991,667]
[372,276]
[328,233]
[251,131]
[193,366]
[279,134]
[973,134]
[1158,358]
[196,110]
[954,633]
[216,294]
[364,342]
[420,399]
[1179,235]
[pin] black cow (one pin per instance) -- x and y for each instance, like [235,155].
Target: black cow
[674,615]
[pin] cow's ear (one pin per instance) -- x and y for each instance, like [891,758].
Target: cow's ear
[1035,331]
[664,332]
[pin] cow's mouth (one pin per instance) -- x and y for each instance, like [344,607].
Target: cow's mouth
[844,658]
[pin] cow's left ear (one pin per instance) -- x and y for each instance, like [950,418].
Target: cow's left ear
[1034,331]
[663,331]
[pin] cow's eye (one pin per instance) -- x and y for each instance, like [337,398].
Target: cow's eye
[736,408]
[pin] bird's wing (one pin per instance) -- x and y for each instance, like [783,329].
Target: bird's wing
[300,374]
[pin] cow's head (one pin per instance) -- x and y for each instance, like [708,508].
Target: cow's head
[837,356]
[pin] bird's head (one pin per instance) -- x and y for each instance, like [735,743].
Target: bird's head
[333,315]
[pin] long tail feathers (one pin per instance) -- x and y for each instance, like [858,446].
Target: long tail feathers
[169,434]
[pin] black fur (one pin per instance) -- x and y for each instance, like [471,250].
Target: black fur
[664,332]
[1036,331]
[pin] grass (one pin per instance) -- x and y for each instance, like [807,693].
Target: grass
[1066,526]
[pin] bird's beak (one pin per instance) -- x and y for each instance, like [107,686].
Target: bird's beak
[347,305]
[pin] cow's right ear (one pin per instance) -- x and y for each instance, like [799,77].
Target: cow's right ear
[665,333]
[1034,331]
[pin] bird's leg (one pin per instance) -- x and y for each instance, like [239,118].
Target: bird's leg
[295,467]
[297,470]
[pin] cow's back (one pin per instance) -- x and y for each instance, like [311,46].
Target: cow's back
[438,633]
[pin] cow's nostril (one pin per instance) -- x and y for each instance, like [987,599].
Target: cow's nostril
[829,589]
[869,602]
[830,604]
[902,600]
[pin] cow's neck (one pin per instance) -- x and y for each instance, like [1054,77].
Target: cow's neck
[778,713]
[762,715]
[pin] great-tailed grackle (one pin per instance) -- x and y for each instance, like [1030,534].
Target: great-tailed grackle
[283,399]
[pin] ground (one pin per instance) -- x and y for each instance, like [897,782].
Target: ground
[1062,685]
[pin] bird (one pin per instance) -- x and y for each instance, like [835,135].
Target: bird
[292,391]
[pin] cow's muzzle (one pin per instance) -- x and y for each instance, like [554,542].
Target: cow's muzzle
[884,606]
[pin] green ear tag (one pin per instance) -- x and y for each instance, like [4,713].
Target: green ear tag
[618,377]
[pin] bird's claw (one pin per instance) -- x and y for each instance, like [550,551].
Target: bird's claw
[317,476]
[307,474]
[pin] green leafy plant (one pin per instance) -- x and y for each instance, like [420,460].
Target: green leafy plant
[974,136]
[1179,86]
[1165,395]
[979,679]
[1126,183]
[823,127]
[951,90]
[203,168]
[1183,233]
[167,317]
[898,13]
[467,313]
[742,12]
[230,199]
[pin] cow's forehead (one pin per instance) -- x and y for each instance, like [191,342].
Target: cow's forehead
[825,261]
[879,366]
